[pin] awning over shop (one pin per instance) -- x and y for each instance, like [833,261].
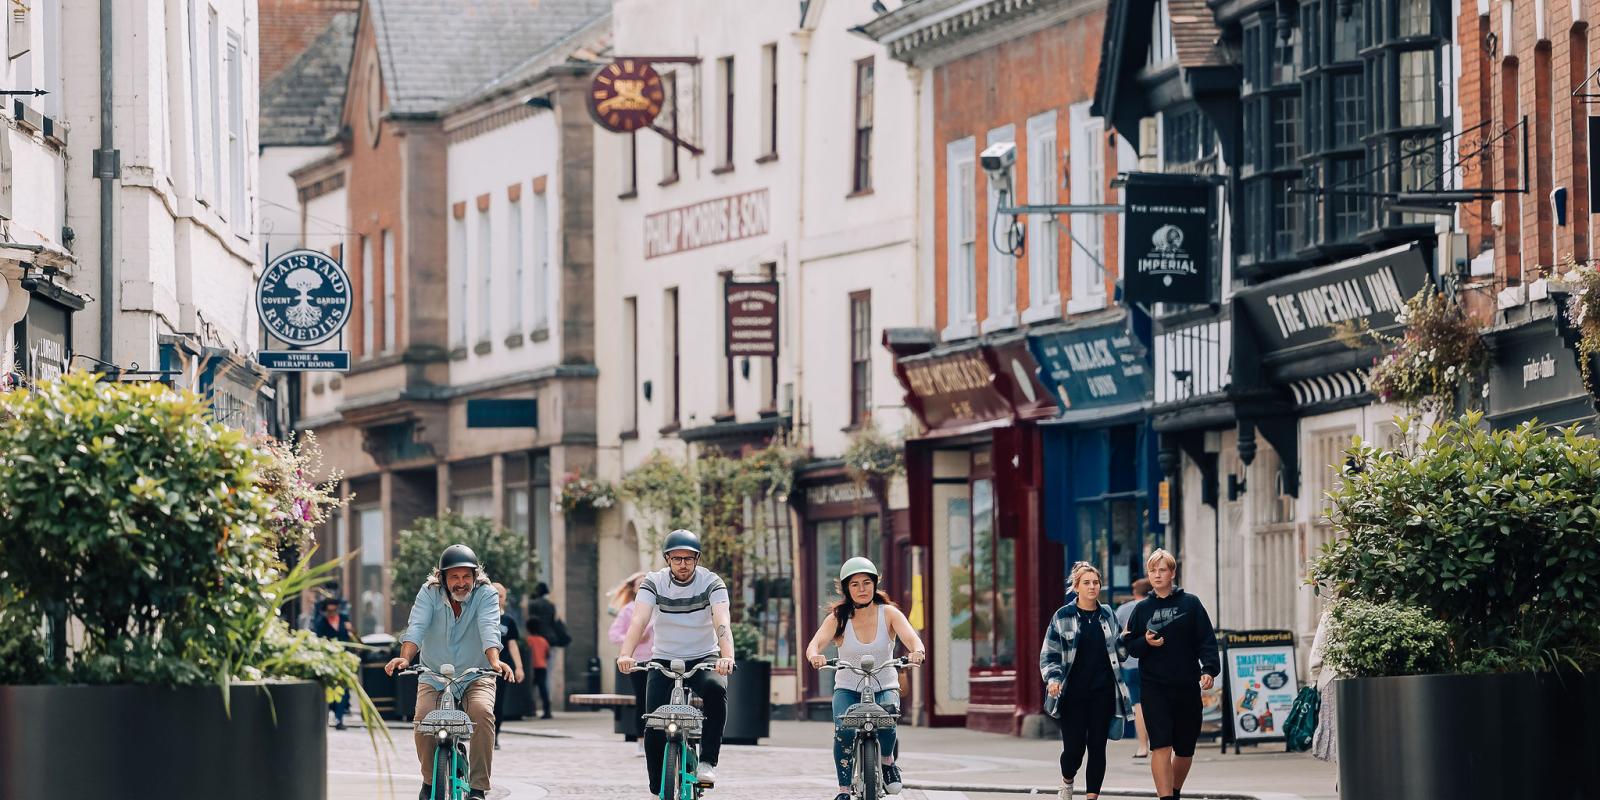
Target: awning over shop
[970,385]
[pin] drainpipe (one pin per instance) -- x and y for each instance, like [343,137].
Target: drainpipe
[107,168]
[803,40]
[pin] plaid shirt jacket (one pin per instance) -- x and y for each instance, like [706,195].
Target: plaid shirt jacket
[1061,647]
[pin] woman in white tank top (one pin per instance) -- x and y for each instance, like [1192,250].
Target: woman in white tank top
[864,622]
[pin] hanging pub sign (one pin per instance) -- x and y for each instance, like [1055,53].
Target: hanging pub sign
[1092,367]
[304,299]
[953,387]
[1167,239]
[1310,308]
[752,319]
[626,95]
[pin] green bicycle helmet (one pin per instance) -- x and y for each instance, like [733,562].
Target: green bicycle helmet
[856,566]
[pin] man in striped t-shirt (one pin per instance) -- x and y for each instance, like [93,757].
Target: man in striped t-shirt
[689,605]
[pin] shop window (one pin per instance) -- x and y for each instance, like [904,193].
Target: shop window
[540,490]
[957,598]
[837,541]
[994,607]
[372,603]
[768,585]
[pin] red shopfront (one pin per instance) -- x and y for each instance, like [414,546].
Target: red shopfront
[974,479]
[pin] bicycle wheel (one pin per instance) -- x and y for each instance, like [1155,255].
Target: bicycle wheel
[672,772]
[869,767]
[443,764]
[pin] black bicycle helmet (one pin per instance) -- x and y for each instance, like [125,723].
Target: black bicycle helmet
[681,540]
[457,555]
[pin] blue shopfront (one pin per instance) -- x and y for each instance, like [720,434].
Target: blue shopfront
[1101,481]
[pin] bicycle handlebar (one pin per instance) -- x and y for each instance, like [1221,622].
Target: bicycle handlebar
[704,666]
[897,663]
[418,669]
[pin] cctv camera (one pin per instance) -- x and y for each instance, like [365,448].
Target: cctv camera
[997,160]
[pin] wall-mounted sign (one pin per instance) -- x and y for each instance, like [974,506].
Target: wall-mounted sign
[1016,364]
[1307,308]
[752,319]
[304,360]
[1534,374]
[724,219]
[503,413]
[304,298]
[1092,367]
[1167,239]
[951,388]
[626,95]
[48,347]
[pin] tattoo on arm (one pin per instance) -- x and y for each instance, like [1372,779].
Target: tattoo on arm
[723,633]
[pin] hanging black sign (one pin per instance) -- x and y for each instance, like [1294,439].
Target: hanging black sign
[1166,254]
[1594,167]
[1308,308]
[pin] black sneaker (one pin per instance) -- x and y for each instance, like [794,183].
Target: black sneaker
[476,794]
[891,778]
[427,793]
[842,796]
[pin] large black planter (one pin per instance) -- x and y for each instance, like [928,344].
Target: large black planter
[1468,737]
[173,744]
[749,703]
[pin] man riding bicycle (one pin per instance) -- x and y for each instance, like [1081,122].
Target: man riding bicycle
[456,620]
[689,606]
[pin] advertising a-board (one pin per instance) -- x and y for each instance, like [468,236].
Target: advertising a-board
[1261,682]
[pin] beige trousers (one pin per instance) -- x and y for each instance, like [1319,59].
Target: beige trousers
[478,702]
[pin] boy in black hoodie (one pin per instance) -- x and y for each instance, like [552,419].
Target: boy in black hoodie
[1171,635]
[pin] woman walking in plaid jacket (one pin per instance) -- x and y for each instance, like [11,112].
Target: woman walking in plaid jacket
[1088,696]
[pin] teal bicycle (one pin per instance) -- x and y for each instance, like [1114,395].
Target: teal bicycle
[452,728]
[682,723]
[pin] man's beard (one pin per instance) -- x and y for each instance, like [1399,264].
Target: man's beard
[461,596]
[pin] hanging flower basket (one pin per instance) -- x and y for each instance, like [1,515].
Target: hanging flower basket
[872,458]
[580,492]
[1440,351]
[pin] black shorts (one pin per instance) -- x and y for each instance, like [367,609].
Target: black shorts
[1171,716]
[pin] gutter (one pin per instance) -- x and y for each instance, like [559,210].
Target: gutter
[107,168]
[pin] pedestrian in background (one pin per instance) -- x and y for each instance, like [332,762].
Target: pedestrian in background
[621,604]
[1171,634]
[539,654]
[550,624]
[1081,663]
[510,637]
[1130,668]
[1325,742]
[330,624]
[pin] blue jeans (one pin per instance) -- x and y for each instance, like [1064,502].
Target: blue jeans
[844,740]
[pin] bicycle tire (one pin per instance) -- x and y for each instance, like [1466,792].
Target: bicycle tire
[672,780]
[440,775]
[869,765]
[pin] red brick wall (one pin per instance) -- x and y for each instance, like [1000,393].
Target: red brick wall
[288,26]
[375,199]
[1533,76]
[1005,85]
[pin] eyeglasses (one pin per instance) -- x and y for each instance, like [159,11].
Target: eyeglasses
[682,559]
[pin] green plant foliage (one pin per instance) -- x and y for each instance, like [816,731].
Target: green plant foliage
[1440,351]
[1497,532]
[580,492]
[22,649]
[873,457]
[746,641]
[1385,639]
[503,553]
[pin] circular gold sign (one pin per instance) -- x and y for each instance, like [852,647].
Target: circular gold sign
[626,96]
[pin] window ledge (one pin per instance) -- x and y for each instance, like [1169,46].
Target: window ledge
[959,330]
[514,341]
[631,194]
[671,428]
[767,159]
[1001,322]
[1051,310]
[540,334]
[482,348]
[724,416]
[458,353]
[628,436]
[723,170]
[859,193]
[1091,303]
[668,181]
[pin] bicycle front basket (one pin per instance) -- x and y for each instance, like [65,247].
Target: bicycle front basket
[688,718]
[455,722]
[862,713]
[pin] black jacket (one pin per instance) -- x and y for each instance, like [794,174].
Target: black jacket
[1191,643]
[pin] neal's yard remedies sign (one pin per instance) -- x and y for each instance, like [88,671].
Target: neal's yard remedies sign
[1310,308]
[1259,673]
[724,219]
[1167,244]
[304,298]
[752,319]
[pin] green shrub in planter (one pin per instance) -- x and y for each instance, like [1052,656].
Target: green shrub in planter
[502,552]
[1497,532]
[1384,639]
[746,641]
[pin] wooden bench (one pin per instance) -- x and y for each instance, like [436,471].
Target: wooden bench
[626,720]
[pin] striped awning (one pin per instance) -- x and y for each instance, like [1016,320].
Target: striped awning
[1329,388]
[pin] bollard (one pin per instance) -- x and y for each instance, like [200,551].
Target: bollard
[594,678]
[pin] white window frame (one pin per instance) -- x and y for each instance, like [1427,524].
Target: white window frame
[1087,186]
[214,43]
[769,100]
[458,280]
[368,308]
[236,161]
[541,261]
[961,310]
[389,294]
[1044,240]
[1002,267]
[514,254]
[485,259]
[196,103]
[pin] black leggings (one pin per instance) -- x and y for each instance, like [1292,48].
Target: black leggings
[1085,724]
[713,692]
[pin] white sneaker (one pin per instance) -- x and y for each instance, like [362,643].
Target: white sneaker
[705,773]
[1065,792]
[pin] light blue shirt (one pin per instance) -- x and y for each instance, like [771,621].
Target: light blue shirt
[445,638]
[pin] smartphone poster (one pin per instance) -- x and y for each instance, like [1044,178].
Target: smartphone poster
[1261,682]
